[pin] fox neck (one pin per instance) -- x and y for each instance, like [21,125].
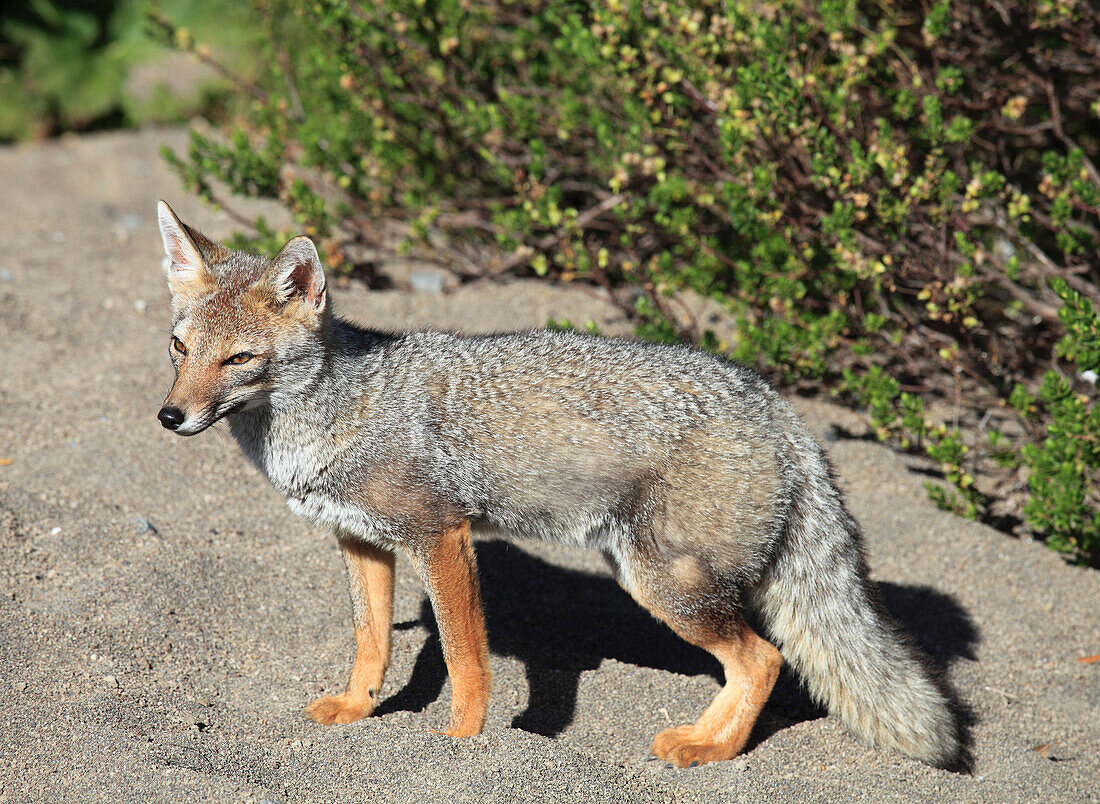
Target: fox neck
[288,415]
[288,437]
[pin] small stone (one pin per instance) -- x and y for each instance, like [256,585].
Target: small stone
[21,686]
[145,526]
[426,282]
[111,682]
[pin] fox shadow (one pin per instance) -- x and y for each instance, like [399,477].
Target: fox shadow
[561,622]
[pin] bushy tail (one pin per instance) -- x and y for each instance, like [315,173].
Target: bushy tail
[819,607]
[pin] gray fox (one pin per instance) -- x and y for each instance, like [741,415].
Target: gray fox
[696,481]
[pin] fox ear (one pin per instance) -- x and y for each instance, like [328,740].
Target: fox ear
[187,272]
[296,273]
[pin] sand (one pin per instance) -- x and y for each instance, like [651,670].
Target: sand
[164,619]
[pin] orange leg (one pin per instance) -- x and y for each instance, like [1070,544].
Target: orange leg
[448,570]
[370,577]
[752,665]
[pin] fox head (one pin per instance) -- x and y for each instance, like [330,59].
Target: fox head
[245,330]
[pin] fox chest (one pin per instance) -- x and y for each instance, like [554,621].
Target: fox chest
[319,489]
[298,467]
[302,475]
[314,494]
[350,486]
[293,466]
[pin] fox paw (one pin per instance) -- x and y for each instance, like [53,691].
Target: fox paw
[688,746]
[458,731]
[341,708]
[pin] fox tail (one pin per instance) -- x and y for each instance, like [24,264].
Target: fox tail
[818,605]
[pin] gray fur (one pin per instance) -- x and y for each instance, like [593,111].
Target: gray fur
[688,472]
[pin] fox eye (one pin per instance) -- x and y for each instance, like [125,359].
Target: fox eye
[177,344]
[239,358]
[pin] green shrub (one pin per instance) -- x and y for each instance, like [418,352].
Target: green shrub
[69,64]
[877,194]
[1063,479]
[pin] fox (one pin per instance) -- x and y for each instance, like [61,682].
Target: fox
[701,487]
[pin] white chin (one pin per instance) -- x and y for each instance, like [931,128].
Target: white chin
[192,427]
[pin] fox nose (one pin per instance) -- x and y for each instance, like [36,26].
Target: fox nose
[171,418]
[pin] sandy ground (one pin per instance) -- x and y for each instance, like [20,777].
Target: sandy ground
[164,618]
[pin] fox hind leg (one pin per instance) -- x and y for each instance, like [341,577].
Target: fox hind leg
[704,609]
[370,579]
[751,665]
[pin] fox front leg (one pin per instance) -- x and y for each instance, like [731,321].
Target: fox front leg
[446,566]
[370,580]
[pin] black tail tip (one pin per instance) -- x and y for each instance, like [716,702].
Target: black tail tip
[961,760]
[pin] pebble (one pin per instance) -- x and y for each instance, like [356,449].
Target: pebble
[425,282]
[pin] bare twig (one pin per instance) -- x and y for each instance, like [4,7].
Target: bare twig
[1059,132]
[583,219]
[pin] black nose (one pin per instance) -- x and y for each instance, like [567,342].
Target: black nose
[171,418]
